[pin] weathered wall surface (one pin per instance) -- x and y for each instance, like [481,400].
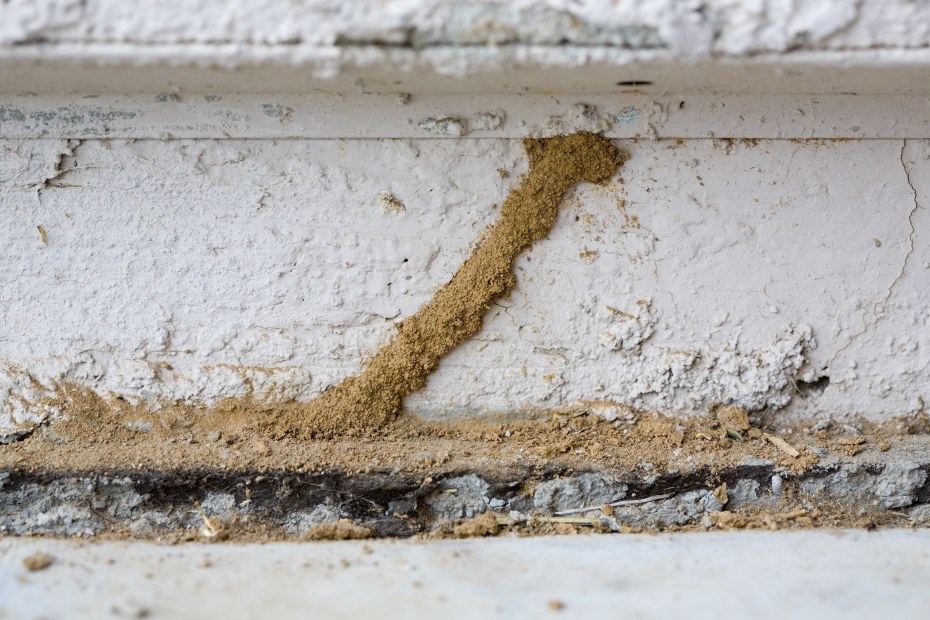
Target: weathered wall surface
[691,28]
[519,46]
[162,241]
[713,271]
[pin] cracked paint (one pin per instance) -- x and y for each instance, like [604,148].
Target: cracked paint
[880,308]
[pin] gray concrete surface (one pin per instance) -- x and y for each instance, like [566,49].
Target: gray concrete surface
[885,487]
[808,574]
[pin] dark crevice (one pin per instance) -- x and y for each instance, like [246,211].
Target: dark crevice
[16,436]
[814,387]
[922,496]
[387,502]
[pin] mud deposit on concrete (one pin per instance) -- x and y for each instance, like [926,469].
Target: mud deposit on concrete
[218,505]
[349,465]
[457,311]
[111,475]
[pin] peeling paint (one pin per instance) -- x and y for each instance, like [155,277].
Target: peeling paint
[92,120]
[446,116]
[488,121]
[276,110]
[450,126]
[627,116]
[580,117]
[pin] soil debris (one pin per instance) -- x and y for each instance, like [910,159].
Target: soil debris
[38,561]
[96,434]
[799,517]
[485,524]
[655,473]
[851,446]
[213,530]
[734,417]
[782,445]
[375,397]
[343,529]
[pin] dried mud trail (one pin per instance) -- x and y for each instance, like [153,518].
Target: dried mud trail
[456,312]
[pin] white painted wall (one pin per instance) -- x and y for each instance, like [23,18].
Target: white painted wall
[201,244]
[684,28]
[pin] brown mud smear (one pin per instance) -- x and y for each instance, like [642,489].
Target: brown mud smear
[375,397]
[400,480]
[484,525]
[114,435]
[343,529]
[38,561]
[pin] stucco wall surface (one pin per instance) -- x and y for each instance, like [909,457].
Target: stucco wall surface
[687,29]
[202,200]
[707,271]
[514,46]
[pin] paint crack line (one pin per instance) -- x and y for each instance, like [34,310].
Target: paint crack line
[913,233]
[879,308]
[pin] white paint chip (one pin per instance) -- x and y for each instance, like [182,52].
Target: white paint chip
[390,205]
[449,126]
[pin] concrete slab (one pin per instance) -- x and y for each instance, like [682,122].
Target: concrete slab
[810,574]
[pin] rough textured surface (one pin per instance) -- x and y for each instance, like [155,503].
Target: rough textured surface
[166,241]
[100,477]
[686,29]
[595,489]
[193,271]
[456,312]
[282,505]
[408,46]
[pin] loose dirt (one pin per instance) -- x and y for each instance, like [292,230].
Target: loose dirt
[482,525]
[342,529]
[38,561]
[112,435]
[107,441]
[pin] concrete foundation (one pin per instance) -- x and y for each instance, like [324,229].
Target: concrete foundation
[823,574]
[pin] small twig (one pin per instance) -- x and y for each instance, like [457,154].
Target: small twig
[623,502]
[644,500]
[570,520]
[782,445]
